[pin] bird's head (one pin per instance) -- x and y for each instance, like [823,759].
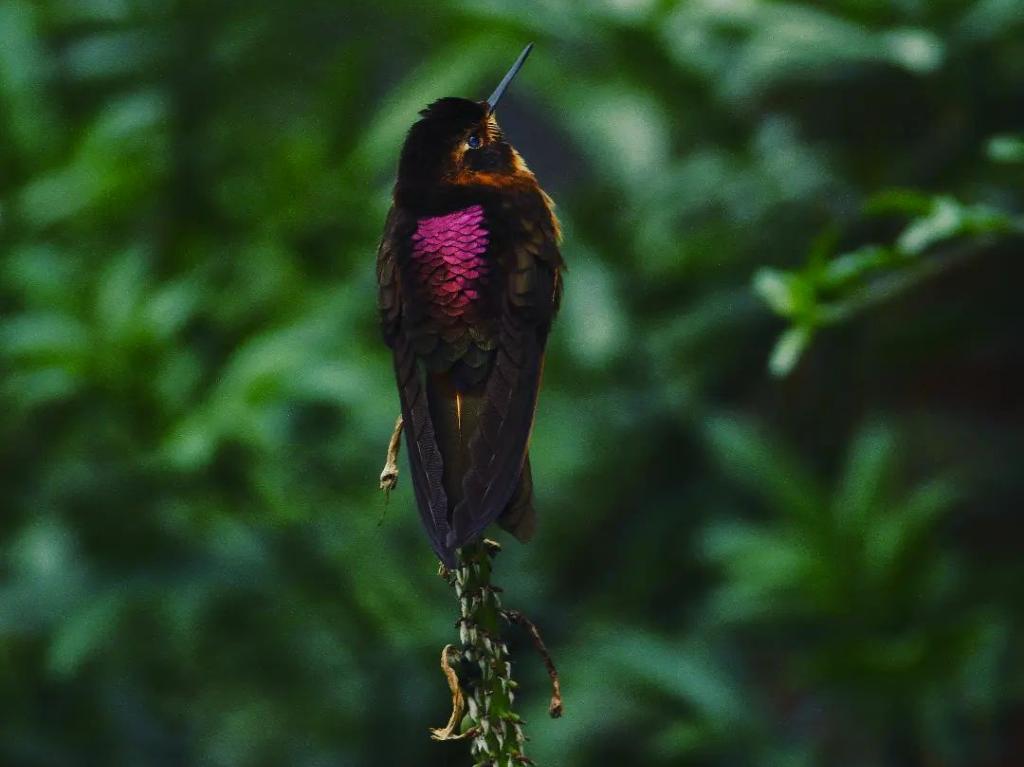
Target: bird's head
[457,146]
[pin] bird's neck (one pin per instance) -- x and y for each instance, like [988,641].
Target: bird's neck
[486,189]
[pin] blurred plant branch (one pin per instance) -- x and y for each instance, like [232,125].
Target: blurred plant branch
[827,291]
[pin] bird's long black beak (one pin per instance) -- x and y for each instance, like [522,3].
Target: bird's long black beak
[494,98]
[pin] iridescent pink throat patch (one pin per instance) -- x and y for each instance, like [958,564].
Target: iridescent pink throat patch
[449,252]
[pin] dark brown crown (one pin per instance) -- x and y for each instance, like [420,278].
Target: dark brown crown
[455,111]
[429,144]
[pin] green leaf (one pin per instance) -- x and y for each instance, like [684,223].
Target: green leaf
[764,570]
[785,292]
[918,50]
[788,350]
[864,484]
[1006,149]
[892,537]
[687,670]
[759,463]
[945,220]
[38,337]
[84,633]
[847,269]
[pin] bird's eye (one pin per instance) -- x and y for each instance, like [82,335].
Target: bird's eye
[473,142]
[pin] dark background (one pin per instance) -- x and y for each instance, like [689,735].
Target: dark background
[778,452]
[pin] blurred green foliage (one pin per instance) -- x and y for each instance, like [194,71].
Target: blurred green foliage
[732,568]
[852,279]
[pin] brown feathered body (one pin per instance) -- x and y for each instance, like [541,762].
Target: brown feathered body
[469,276]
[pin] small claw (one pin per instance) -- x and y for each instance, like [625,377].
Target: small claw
[389,478]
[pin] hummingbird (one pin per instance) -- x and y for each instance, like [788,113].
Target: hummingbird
[469,278]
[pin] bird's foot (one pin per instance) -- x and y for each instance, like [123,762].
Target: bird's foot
[389,476]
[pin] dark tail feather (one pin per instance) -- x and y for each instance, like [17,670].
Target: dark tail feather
[519,517]
[425,459]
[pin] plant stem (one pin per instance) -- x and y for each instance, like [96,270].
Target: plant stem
[487,692]
[497,731]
